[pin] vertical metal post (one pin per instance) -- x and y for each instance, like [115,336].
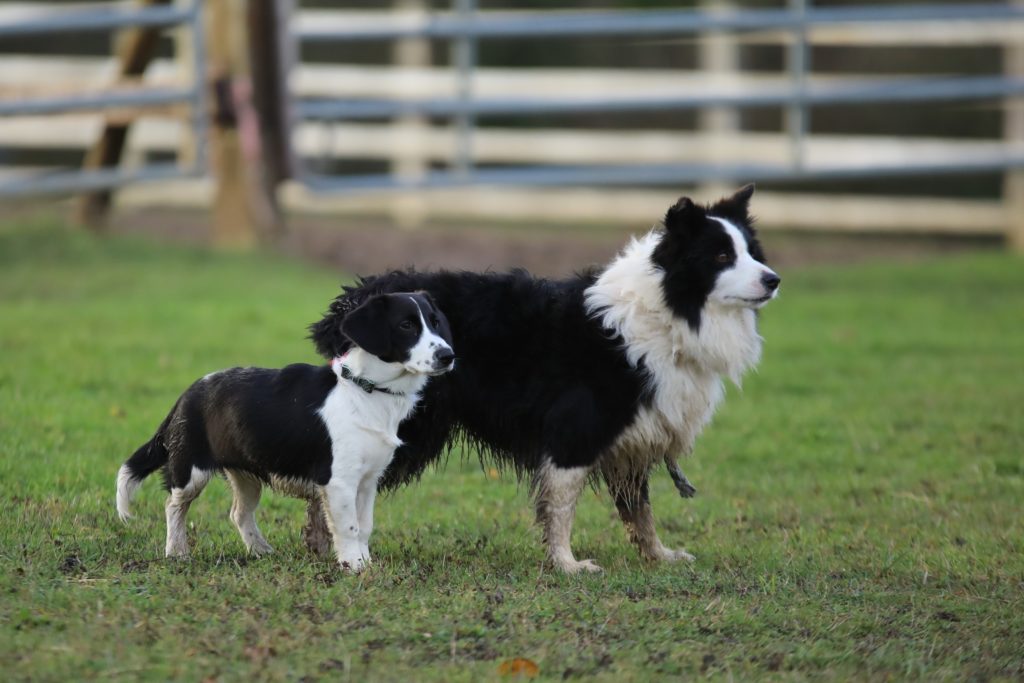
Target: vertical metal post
[463,51]
[798,58]
[1013,132]
[200,113]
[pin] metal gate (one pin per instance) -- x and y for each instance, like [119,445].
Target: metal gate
[107,19]
[464,27]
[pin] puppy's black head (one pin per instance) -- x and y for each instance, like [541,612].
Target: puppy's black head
[405,328]
[711,252]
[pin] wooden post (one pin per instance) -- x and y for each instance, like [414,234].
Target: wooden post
[719,56]
[1013,128]
[244,211]
[409,210]
[135,50]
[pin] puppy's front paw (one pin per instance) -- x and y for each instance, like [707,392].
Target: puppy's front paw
[260,547]
[352,563]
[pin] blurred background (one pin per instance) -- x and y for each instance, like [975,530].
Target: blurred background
[482,133]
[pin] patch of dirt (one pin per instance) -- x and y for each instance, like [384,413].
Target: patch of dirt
[375,244]
[72,564]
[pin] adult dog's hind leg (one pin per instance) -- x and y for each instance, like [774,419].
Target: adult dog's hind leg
[629,490]
[247,489]
[556,490]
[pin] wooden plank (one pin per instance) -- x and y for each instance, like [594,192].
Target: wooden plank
[537,146]
[632,210]
[638,209]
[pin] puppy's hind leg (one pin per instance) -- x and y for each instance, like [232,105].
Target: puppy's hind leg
[246,490]
[556,490]
[176,509]
[629,489]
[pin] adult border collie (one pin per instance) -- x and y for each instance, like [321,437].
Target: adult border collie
[323,432]
[605,373]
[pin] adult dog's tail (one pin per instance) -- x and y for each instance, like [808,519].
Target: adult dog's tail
[150,457]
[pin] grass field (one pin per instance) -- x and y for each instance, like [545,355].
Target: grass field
[860,508]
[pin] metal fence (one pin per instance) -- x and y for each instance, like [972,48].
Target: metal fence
[107,19]
[465,27]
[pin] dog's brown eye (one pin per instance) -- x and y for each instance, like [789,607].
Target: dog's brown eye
[406,325]
[723,257]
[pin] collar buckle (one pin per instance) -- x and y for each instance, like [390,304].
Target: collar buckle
[366,385]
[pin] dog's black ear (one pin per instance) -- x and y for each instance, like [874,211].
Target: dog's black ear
[736,207]
[426,295]
[682,215]
[326,332]
[327,337]
[368,326]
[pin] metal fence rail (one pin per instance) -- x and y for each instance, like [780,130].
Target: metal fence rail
[465,26]
[109,19]
[868,91]
[640,22]
[98,19]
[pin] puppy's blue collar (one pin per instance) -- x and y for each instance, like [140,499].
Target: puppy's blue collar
[366,385]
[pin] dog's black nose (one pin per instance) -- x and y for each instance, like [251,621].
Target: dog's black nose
[443,357]
[770,281]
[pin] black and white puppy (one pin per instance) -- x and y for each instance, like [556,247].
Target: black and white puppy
[324,433]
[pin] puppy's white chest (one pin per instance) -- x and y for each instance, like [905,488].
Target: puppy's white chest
[361,423]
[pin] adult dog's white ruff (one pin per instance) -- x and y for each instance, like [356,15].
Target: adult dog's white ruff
[686,367]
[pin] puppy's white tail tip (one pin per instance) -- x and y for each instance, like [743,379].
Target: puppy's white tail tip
[127,485]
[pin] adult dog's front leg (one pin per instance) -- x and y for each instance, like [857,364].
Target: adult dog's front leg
[629,489]
[556,490]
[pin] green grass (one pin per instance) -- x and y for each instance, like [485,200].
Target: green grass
[859,511]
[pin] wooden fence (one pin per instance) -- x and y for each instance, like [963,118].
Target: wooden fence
[407,145]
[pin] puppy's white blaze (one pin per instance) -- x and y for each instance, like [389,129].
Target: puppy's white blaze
[421,356]
[127,485]
[685,368]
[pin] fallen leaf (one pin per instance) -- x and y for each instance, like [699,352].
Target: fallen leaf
[519,667]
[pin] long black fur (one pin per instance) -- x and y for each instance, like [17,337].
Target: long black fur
[536,376]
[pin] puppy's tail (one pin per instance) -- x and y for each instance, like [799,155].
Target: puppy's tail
[149,457]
